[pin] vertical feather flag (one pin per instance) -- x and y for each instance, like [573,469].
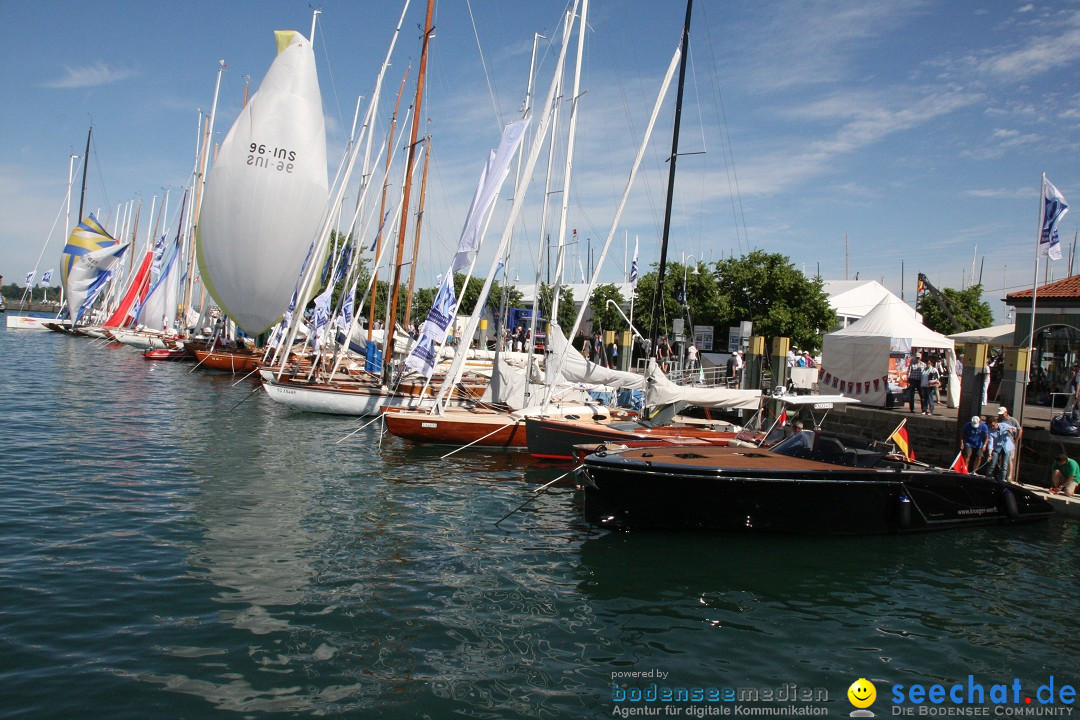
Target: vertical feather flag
[900,437]
[1054,208]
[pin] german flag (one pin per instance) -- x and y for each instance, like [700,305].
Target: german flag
[900,437]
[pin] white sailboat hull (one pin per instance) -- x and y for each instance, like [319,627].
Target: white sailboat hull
[27,322]
[361,402]
[142,340]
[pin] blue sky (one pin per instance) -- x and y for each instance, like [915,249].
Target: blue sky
[918,130]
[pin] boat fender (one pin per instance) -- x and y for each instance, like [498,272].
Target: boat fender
[903,512]
[1010,504]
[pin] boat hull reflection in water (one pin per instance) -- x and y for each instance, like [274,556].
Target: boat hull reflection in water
[813,482]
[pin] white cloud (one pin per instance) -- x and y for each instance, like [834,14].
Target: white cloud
[1055,44]
[90,76]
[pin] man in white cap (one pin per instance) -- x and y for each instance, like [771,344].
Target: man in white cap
[973,442]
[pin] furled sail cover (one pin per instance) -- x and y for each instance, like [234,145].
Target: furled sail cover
[86,264]
[662,391]
[574,367]
[266,193]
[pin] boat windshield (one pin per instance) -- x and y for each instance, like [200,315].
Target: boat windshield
[829,448]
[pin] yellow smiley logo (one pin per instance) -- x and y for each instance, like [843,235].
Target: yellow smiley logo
[862,693]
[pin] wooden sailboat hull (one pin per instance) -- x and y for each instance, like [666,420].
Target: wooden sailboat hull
[231,361]
[174,354]
[477,428]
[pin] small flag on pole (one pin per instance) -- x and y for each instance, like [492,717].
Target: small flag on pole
[959,465]
[900,437]
[1054,208]
[46,278]
[633,266]
[782,420]
[29,278]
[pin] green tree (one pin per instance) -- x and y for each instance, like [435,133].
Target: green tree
[471,294]
[695,298]
[605,317]
[422,300]
[567,311]
[967,308]
[781,301]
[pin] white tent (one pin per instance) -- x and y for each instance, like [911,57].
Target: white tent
[995,335]
[857,359]
[853,299]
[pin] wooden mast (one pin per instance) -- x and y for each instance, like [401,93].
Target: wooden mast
[382,208]
[654,335]
[416,235]
[388,355]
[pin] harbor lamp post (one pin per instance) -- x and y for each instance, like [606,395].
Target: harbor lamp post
[689,332]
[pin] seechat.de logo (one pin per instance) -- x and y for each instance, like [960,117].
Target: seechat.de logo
[862,694]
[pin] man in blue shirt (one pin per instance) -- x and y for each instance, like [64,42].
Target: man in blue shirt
[973,442]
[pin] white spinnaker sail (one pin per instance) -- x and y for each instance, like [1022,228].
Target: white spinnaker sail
[266,193]
[159,307]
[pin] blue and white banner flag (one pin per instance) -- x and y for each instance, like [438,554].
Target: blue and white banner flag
[321,318]
[1054,208]
[633,266]
[491,180]
[437,325]
[29,278]
[46,278]
[435,328]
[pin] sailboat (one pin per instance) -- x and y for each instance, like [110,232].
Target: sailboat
[319,386]
[86,267]
[266,193]
[15,321]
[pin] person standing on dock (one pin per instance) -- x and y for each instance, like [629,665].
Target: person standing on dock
[914,382]
[973,439]
[1008,421]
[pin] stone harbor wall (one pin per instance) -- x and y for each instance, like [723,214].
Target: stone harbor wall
[935,440]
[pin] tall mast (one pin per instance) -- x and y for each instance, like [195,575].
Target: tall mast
[382,208]
[654,335]
[86,162]
[567,172]
[408,185]
[416,235]
[200,184]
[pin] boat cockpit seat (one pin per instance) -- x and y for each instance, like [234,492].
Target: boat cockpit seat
[831,447]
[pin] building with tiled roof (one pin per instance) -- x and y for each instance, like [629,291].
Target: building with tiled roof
[1057,304]
[1056,344]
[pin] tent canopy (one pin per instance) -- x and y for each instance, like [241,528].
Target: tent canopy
[994,335]
[857,359]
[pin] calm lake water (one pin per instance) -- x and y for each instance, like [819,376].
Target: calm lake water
[177,546]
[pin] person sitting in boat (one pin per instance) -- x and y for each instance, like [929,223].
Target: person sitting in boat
[793,428]
[973,439]
[1064,475]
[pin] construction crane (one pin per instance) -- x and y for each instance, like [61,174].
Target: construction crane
[944,302]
